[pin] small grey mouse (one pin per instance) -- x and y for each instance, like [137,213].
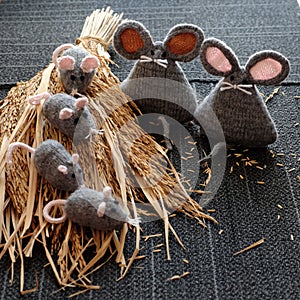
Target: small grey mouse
[235,100]
[90,208]
[76,67]
[68,114]
[54,163]
[157,82]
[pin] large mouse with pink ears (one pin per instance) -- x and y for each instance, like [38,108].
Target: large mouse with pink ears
[76,67]
[235,100]
[157,83]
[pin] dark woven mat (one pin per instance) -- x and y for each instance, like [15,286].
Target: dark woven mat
[246,211]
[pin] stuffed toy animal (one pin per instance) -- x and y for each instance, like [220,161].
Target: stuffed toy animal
[76,67]
[68,114]
[87,207]
[54,163]
[157,83]
[235,100]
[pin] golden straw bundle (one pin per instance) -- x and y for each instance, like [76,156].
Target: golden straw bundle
[126,159]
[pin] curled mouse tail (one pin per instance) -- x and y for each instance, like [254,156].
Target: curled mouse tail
[36,99]
[12,147]
[47,208]
[58,50]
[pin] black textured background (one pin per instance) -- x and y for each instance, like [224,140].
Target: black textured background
[31,30]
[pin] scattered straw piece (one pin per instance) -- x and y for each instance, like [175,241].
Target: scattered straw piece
[260,182]
[250,247]
[275,92]
[279,165]
[278,217]
[185,261]
[292,237]
[211,210]
[279,206]
[185,274]
[297,97]
[175,277]
[156,250]
[35,289]
[147,237]
[291,170]
[221,231]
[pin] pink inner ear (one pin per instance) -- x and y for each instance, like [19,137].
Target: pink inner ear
[218,60]
[89,63]
[66,63]
[266,69]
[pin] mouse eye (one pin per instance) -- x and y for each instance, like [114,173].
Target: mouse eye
[73,175]
[115,201]
[76,120]
[82,78]
[72,77]
[84,114]
[232,77]
[164,54]
[152,52]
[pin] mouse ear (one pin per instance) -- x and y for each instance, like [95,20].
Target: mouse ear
[66,63]
[267,68]
[89,64]
[75,159]
[62,169]
[65,113]
[36,99]
[58,50]
[217,58]
[132,39]
[183,42]
[81,102]
[101,209]
[107,192]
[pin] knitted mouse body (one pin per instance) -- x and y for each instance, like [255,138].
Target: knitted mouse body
[245,119]
[235,100]
[157,83]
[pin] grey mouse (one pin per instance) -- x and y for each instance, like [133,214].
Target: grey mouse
[68,114]
[157,82]
[54,163]
[76,67]
[90,208]
[236,100]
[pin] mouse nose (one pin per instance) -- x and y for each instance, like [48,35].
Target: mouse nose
[157,53]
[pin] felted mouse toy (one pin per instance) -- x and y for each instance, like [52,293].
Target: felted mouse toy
[235,100]
[76,67]
[157,83]
[68,114]
[87,207]
[54,163]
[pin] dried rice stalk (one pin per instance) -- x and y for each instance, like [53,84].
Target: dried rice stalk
[133,172]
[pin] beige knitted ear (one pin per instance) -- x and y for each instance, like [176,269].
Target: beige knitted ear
[182,43]
[131,40]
